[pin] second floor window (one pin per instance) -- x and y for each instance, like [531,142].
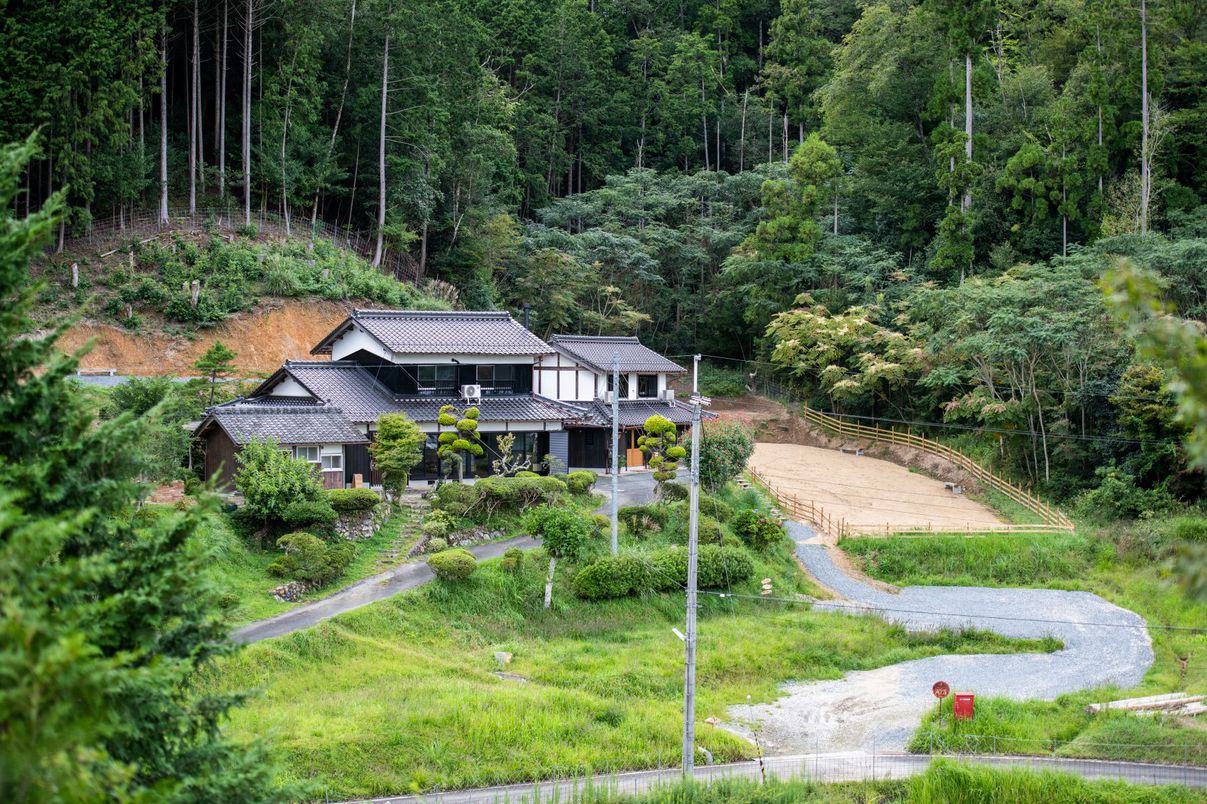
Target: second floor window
[437,379]
[647,386]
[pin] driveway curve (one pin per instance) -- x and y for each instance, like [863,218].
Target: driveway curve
[1104,645]
[362,593]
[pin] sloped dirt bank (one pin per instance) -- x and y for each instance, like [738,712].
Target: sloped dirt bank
[264,338]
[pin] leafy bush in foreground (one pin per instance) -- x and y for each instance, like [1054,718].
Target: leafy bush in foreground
[612,577]
[456,564]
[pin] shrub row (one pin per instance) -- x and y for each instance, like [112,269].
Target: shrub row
[361,499]
[717,567]
[498,495]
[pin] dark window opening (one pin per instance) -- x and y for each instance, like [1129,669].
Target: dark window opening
[647,386]
[437,379]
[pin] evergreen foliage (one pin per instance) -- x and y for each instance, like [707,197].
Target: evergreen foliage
[106,619]
[396,450]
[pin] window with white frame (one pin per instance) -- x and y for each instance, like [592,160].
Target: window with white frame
[308,454]
[333,459]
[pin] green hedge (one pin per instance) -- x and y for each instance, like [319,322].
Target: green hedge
[518,494]
[642,518]
[361,499]
[612,577]
[305,513]
[717,567]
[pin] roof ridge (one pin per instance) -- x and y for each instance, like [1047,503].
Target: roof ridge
[601,338]
[385,313]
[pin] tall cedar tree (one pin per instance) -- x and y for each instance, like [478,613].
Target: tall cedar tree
[106,613]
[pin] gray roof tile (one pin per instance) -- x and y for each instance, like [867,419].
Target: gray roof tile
[634,412]
[424,332]
[246,419]
[518,408]
[596,351]
[344,384]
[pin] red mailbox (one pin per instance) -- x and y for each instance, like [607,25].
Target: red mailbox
[962,706]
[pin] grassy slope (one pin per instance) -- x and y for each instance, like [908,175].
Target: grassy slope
[240,570]
[400,695]
[944,782]
[1083,561]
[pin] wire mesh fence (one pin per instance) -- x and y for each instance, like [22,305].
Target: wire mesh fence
[1189,753]
[118,231]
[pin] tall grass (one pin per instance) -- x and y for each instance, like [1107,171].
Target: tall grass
[401,695]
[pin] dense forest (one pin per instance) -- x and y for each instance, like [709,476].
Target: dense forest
[900,208]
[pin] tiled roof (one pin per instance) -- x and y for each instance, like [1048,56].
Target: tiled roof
[345,384]
[294,423]
[596,352]
[442,333]
[518,408]
[634,412]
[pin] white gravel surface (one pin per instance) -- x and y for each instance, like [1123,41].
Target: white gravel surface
[882,708]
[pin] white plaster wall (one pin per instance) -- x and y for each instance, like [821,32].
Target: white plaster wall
[661,384]
[289,387]
[354,340]
[584,385]
[632,385]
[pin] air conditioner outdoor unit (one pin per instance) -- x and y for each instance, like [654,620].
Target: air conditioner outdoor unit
[668,395]
[471,392]
[608,397]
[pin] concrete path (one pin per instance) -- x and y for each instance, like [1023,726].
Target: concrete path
[1104,645]
[831,767]
[362,593]
[635,488]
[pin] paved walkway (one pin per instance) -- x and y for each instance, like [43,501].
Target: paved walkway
[830,768]
[362,593]
[1104,645]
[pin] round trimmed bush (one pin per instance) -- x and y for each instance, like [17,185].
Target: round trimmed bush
[446,437]
[304,513]
[716,508]
[436,544]
[446,420]
[717,567]
[526,473]
[581,481]
[674,492]
[456,564]
[641,518]
[307,558]
[438,524]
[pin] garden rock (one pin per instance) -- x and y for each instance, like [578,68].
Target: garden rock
[291,592]
[474,536]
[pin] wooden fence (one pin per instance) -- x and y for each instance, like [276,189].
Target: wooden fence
[1052,520]
[804,509]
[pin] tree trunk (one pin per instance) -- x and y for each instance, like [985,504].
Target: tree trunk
[339,112]
[1145,155]
[785,139]
[220,112]
[836,208]
[742,141]
[967,200]
[549,582]
[381,154]
[704,118]
[163,127]
[249,24]
[284,142]
[193,73]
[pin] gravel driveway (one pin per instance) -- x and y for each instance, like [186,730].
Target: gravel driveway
[881,708]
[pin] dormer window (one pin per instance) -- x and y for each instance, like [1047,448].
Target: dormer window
[437,379]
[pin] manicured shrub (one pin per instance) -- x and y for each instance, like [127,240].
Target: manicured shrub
[353,499]
[304,513]
[453,498]
[581,481]
[518,494]
[757,530]
[453,565]
[674,492]
[612,577]
[436,545]
[563,532]
[526,473]
[717,567]
[603,522]
[309,559]
[640,519]
[513,560]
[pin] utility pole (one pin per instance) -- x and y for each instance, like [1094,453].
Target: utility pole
[695,376]
[693,539]
[615,451]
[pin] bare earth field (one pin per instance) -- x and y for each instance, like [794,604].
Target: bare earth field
[866,491]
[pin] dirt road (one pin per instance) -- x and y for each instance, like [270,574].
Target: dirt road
[866,492]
